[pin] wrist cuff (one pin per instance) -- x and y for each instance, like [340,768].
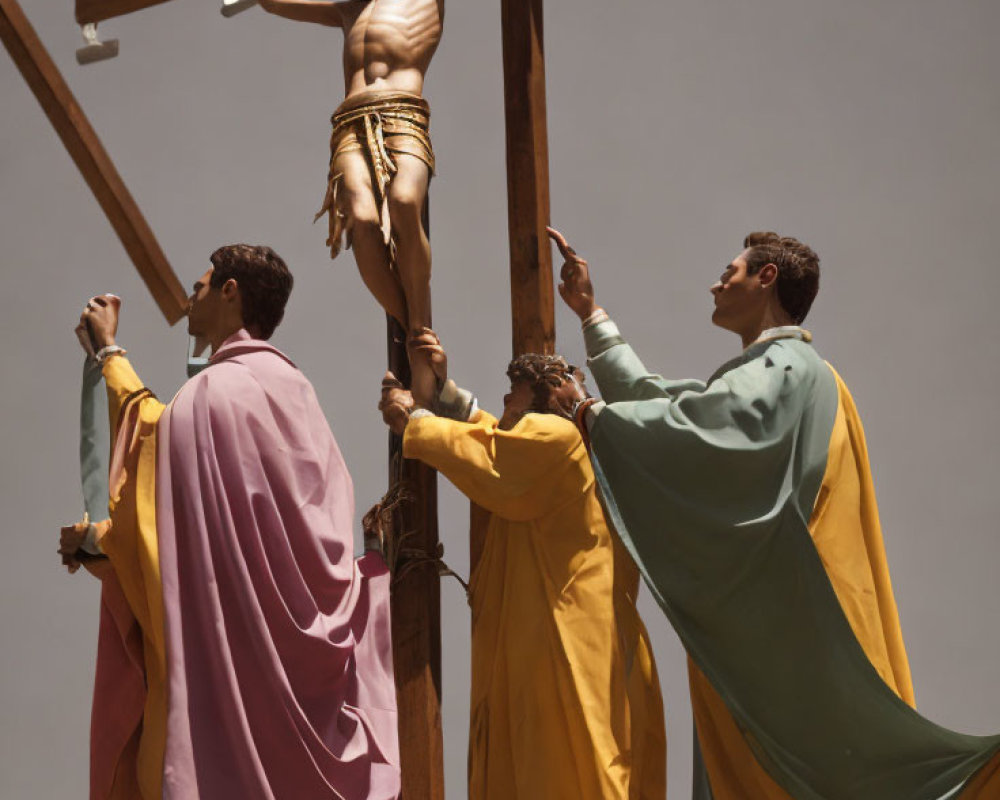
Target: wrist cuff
[454,402]
[597,315]
[105,353]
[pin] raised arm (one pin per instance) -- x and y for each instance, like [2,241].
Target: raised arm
[619,372]
[321,12]
[96,332]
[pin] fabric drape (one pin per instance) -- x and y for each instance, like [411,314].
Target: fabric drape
[278,640]
[244,651]
[712,488]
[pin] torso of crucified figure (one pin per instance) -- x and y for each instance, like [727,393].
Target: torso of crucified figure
[388,44]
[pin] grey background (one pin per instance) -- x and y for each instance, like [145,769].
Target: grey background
[869,129]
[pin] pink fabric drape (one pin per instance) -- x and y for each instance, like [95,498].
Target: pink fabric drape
[278,640]
[119,692]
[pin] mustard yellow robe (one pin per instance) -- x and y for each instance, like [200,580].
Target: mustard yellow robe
[565,698]
[130,542]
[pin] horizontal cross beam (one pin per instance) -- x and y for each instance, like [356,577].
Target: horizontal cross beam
[92,159]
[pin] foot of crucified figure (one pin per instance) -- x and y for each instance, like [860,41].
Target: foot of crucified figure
[425,383]
[428,367]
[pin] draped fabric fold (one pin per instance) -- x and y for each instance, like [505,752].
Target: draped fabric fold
[565,700]
[244,650]
[278,639]
[781,598]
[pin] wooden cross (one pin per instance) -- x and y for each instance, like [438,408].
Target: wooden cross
[92,159]
[416,600]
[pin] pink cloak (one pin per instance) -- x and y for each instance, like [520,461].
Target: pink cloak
[279,656]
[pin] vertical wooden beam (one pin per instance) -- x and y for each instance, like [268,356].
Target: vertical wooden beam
[92,159]
[416,608]
[531,290]
[533,325]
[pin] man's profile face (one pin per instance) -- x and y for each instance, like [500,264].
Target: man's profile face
[737,296]
[203,305]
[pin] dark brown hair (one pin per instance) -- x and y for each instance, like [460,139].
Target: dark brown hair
[798,269]
[542,373]
[263,280]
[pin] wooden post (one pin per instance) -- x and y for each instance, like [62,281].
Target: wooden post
[531,289]
[416,608]
[92,159]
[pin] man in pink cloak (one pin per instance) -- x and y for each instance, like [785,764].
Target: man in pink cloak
[244,652]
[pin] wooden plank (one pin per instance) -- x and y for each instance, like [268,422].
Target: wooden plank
[92,159]
[99,10]
[533,325]
[531,289]
[416,609]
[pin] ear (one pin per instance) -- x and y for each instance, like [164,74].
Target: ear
[767,275]
[230,289]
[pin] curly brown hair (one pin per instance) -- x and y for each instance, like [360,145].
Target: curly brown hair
[263,280]
[798,269]
[543,373]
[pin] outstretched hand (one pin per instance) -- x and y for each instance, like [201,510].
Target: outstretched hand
[575,287]
[396,403]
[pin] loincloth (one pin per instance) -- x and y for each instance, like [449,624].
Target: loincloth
[380,125]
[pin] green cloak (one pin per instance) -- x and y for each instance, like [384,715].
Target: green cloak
[711,487]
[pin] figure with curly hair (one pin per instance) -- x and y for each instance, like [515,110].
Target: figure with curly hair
[565,698]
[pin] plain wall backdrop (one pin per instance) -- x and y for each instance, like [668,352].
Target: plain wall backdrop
[868,128]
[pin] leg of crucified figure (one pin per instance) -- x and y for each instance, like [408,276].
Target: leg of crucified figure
[407,195]
[356,200]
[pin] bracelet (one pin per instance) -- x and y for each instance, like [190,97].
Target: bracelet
[597,315]
[105,353]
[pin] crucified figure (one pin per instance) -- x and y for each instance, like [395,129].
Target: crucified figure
[381,156]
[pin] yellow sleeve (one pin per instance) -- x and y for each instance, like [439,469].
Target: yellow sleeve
[122,382]
[514,474]
[132,545]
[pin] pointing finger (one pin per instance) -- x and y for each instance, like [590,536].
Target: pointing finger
[561,242]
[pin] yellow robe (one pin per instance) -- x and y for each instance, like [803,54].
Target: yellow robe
[131,544]
[565,698]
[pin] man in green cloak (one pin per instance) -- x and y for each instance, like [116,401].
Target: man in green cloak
[748,504]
